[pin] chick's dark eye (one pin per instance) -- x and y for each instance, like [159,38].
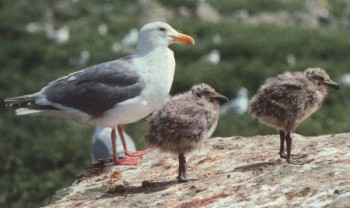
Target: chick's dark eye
[162,29]
[319,78]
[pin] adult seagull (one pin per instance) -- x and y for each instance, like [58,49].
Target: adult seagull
[113,93]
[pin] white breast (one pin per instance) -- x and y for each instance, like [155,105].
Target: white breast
[158,76]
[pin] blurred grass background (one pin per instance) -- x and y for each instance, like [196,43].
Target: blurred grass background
[256,39]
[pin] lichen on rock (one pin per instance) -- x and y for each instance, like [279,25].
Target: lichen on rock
[223,172]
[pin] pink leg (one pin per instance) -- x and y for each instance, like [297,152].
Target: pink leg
[126,152]
[114,145]
[116,160]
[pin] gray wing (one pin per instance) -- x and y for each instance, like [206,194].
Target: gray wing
[279,95]
[96,89]
[287,96]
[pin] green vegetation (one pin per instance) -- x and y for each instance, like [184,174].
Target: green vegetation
[257,6]
[39,155]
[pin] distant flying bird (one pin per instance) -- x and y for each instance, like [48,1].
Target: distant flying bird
[113,93]
[102,145]
[239,105]
[186,120]
[283,102]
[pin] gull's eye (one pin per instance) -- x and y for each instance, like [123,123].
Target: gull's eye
[162,29]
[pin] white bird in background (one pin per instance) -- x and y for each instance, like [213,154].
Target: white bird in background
[102,29]
[59,36]
[239,105]
[116,47]
[128,43]
[62,34]
[102,144]
[206,12]
[291,60]
[345,79]
[213,57]
[81,60]
[217,39]
[130,39]
[33,27]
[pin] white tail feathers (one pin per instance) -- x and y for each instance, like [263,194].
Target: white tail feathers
[25,111]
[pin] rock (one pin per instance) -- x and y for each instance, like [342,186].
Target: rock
[224,172]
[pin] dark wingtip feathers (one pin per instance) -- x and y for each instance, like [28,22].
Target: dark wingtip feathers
[21,101]
[18,105]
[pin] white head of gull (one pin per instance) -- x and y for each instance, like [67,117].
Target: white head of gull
[114,93]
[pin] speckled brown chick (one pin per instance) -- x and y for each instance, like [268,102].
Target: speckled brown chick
[284,101]
[187,119]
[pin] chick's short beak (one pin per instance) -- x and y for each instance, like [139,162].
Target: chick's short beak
[220,98]
[182,38]
[332,84]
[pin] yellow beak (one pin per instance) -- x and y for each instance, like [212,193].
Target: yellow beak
[182,38]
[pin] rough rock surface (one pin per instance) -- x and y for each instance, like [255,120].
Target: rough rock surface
[224,172]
